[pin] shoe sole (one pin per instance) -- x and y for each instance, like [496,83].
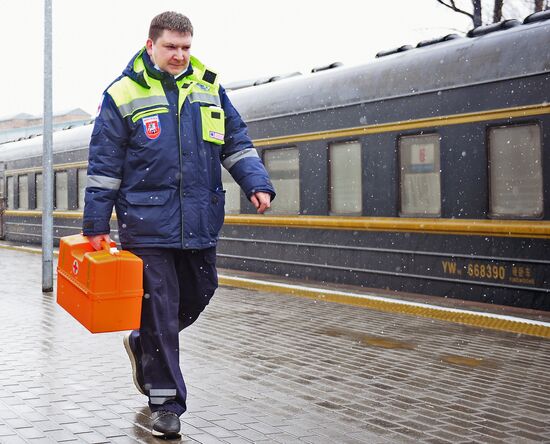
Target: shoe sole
[162,435]
[126,341]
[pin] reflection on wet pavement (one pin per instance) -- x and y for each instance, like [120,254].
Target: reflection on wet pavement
[263,367]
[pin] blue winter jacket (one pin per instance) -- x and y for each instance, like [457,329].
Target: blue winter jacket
[160,168]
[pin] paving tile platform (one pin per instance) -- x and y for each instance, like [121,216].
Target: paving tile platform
[270,368]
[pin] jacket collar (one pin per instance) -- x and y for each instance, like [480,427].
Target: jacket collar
[141,68]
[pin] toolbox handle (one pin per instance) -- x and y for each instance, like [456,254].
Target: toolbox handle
[110,248]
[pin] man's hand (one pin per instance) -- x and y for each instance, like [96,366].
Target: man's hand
[261,200]
[96,240]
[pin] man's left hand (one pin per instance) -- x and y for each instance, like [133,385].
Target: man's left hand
[261,200]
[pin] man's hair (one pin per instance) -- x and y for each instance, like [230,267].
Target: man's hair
[170,20]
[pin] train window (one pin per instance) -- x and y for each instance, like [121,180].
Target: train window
[10,192]
[39,186]
[82,178]
[284,170]
[345,178]
[515,171]
[420,188]
[23,182]
[61,191]
[232,193]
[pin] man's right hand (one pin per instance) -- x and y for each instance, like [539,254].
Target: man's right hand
[95,241]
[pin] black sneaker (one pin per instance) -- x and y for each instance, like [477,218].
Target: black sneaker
[165,424]
[136,367]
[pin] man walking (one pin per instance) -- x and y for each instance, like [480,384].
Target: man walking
[164,129]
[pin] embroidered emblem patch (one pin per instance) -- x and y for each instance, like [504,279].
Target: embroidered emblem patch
[151,126]
[215,135]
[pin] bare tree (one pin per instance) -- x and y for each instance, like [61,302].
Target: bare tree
[521,8]
[540,5]
[475,16]
[497,11]
[501,9]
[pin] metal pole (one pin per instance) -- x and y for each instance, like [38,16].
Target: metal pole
[47,157]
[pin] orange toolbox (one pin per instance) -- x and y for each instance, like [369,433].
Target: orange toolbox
[101,289]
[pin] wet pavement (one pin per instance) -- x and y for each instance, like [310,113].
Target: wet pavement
[270,368]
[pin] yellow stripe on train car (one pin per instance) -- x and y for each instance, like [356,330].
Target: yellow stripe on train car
[471,227]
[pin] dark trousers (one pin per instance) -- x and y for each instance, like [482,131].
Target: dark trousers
[178,285]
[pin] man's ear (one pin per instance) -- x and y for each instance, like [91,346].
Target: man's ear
[149,47]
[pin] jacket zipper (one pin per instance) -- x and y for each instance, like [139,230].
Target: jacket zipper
[178,114]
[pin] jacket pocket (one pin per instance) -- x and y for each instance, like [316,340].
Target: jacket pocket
[213,124]
[148,198]
[216,212]
[146,214]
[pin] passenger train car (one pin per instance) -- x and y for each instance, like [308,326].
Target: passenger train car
[425,170]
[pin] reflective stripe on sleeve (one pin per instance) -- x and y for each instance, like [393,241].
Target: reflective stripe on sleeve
[234,158]
[129,108]
[108,183]
[205,98]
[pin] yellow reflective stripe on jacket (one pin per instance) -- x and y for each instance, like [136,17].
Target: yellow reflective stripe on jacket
[149,112]
[129,96]
[128,109]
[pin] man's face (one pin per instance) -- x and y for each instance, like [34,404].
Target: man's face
[171,51]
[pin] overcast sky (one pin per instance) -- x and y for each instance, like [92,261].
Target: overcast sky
[240,39]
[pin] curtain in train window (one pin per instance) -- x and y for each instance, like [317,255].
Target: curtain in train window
[39,184]
[82,177]
[345,178]
[61,191]
[284,171]
[232,193]
[515,171]
[23,182]
[10,192]
[420,176]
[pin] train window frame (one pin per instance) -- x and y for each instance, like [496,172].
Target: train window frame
[10,192]
[296,210]
[422,168]
[81,187]
[2,186]
[491,213]
[39,190]
[56,195]
[232,193]
[330,156]
[23,192]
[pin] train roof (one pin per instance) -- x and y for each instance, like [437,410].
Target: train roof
[490,53]
[66,140]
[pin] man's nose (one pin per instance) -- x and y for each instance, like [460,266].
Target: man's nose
[180,54]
